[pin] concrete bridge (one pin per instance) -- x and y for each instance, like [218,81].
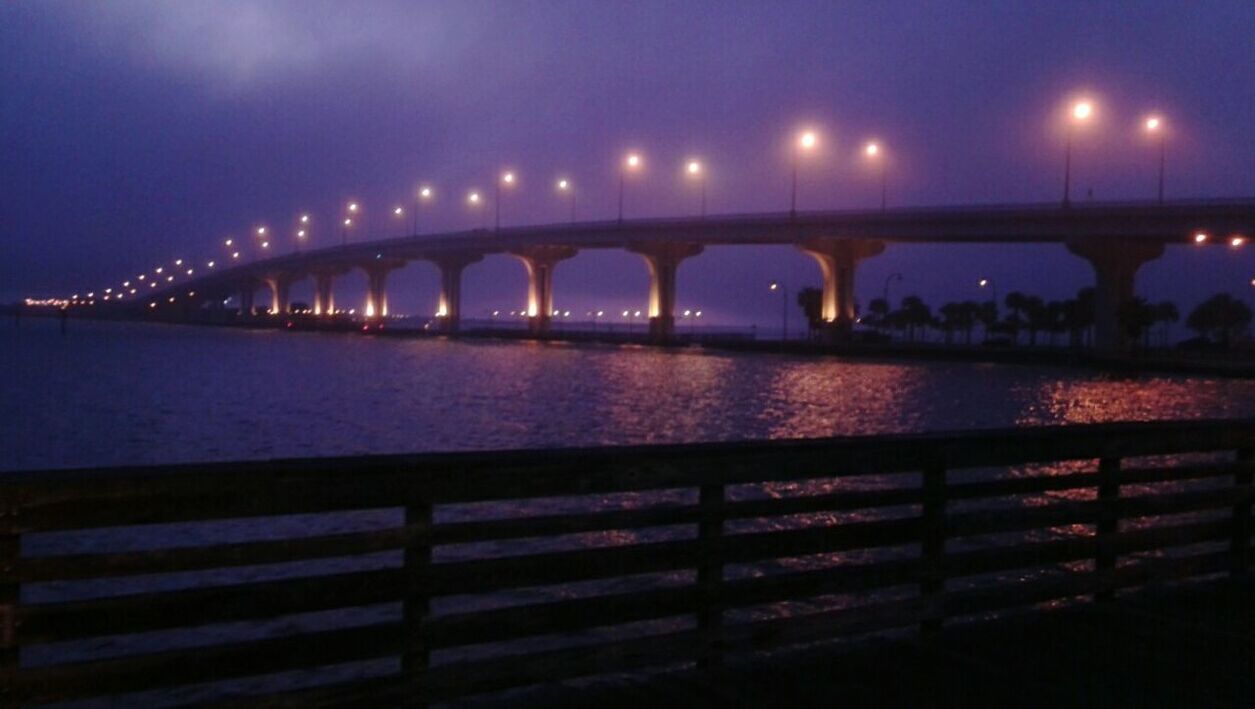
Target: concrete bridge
[1115,238]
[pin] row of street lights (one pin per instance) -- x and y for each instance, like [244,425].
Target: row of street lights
[1081,113]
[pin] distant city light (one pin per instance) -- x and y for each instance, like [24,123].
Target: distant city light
[1237,241]
[1200,238]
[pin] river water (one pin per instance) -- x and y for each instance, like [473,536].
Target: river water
[116,394]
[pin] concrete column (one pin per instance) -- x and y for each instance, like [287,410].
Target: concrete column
[324,296]
[280,289]
[838,259]
[449,308]
[376,286]
[1115,263]
[246,298]
[540,261]
[662,259]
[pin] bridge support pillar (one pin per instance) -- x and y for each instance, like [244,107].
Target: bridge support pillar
[247,290]
[376,286]
[663,259]
[449,309]
[838,259]
[540,261]
[324,296]
[280,293]
[1115,264]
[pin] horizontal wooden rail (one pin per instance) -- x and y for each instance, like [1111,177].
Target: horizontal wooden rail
[661,555]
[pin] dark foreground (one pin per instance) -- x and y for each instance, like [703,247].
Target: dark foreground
[1184,647]
[989,568]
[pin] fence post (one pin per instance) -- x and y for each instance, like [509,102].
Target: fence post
[10,549]
[933,543]
[1108,523]
[1245,476]
[710,575]
[417,604]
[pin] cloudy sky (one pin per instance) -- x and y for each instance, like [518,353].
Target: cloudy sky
[132,133]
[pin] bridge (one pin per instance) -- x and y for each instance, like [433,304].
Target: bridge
[1115,238]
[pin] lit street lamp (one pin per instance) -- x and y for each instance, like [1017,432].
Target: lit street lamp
[806,142]
[784,308]
[631,163]
[399,213]
[875,154]
[993,289]
[473,200]
[564,187]
[1155,126]
[1081,112]
[425,194]
[695,172]
[507,180]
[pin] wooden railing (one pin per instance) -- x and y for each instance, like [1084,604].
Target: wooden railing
[479,572]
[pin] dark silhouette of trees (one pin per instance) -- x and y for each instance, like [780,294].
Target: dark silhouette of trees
[811,301]
[913,315]
[1221,316]
[877,314]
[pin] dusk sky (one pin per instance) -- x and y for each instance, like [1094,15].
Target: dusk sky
[134,133]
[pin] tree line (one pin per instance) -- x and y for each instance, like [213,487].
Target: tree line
[1028,319]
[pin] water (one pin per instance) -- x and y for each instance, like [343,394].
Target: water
[116,394]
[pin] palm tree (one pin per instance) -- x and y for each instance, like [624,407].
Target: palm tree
[915,314]
[1221,315]
[1016,303]
[1166,312]
[1035,317]
[877,313]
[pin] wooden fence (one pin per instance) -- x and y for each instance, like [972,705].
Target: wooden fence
[549,555]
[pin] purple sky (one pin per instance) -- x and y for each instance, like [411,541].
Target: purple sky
[132,133]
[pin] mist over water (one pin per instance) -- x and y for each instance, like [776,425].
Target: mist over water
[116,394]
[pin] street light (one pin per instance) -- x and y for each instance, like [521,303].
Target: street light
[425,194]
[473,200]
[784,308]
[1081,112]
[695,172]
[399,213]
[564,187]
[993,289]
[507,180]
[351,209]
[1200,238]
[875,154]
[806,142]
[631,163]
[1155,126]
[889,279]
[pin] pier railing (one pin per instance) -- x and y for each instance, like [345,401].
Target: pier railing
[453,574]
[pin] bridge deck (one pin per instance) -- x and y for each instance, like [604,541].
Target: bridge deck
[1193,646]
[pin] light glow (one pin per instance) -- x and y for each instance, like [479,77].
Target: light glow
[1200,238]
[694,167]
[564,185]
[1153,123]
[1082,110]
[807,140]
[508,178]
[872,150]
[473,198]
[633,161]
[352,206]
[1237,241]
[425,193]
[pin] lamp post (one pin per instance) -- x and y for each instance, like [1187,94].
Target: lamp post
[302,230]
[565,187]
[888,279]
[507,180]
[1155,126]
[784,308]
[425,194]
[696,172]
[993,289]
[352,210]
[806,142]
[473,200]
[631,163]
[1081,112]
[398,212]
[875,154]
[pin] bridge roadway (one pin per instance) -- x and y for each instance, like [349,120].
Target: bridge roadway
[1115,238]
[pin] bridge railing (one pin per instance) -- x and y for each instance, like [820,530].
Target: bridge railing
[437,576]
